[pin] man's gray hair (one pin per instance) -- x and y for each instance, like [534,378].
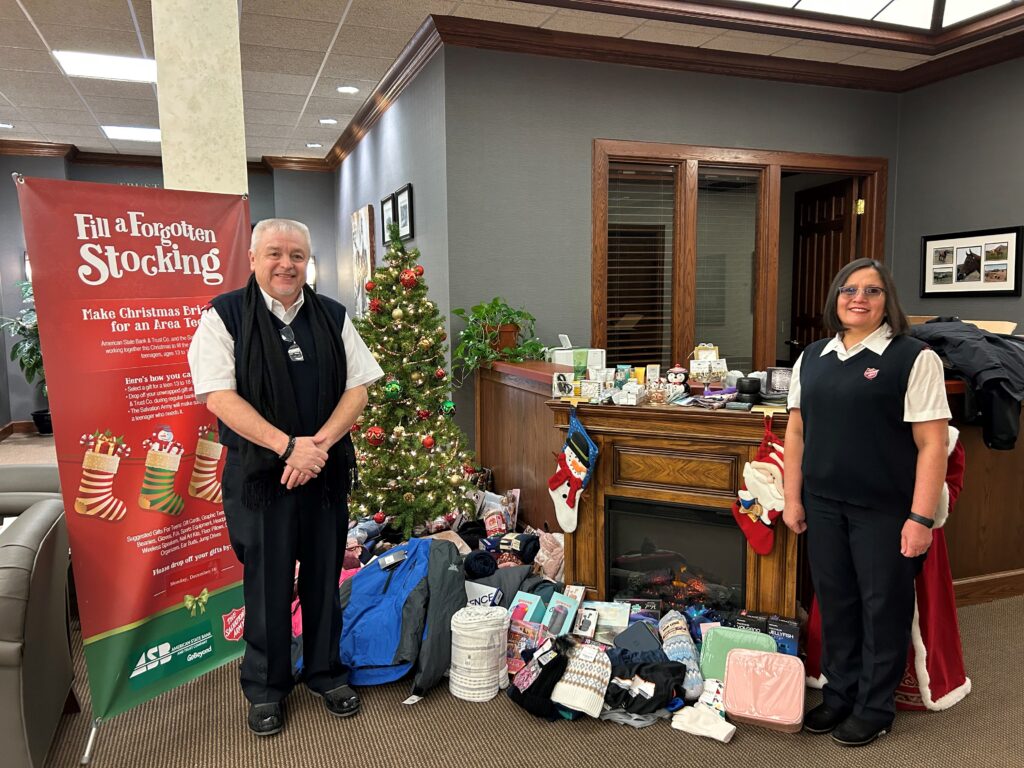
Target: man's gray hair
[281,225]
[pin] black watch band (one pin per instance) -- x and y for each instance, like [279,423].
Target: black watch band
[927,522]
[288,451]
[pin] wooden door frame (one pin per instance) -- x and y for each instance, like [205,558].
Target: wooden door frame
[771,163]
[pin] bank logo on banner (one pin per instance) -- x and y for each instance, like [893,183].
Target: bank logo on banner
[172,655]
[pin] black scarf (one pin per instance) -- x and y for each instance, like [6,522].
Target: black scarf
[264,382]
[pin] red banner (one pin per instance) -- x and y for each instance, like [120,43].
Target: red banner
[120,277]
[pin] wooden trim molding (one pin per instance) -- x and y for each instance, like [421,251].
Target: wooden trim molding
[35,148]
[991,586]
[410,62]
[297,163]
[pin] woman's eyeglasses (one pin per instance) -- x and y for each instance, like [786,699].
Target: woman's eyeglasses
[871,291]
[294,351]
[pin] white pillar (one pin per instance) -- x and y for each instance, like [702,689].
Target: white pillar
[199,92]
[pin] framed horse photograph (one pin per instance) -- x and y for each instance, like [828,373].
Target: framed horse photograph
[983,262]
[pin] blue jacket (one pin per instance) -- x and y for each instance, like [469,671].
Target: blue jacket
[399,620]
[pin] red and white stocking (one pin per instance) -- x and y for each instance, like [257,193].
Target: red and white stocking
[761,500]
[95,490]
[204,483]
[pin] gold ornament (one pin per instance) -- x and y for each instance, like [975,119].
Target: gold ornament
[376,356]
[397,313]
[399,430]
[409,498]
[416,377]
[454,481]
[425,343]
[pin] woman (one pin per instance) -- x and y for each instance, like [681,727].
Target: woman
[865,462]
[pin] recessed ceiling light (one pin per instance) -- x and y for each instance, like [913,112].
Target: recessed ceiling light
[313,145]
[328,121]
[347,89]
[131,133]
[6,125]
[131,68]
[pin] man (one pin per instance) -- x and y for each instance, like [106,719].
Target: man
[286,374]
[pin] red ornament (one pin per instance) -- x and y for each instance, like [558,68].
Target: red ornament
[354,428]
[375,436]
[408,278]
[370,285]
[422,414]
[440,373]
[442,335]
[379,518]
[376,305]
[418,270]
[467,469]
[428,442]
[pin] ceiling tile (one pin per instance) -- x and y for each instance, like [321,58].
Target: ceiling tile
[284,102]
[528,17]
[50,115]
[19,34]
[369,41]
[144,111]
[262,58]
[115,42]
[327,88]
[273,131]
[9,10]
[356,67]
[136,147]
[312,120]
[28,60]
[764,45]
[269,82]
[396,14]
[880,60]
[280,32]
[62,129]
[269,117]
[319,106]
[22,132]
[102,14]
[118,89]
[673,34]
[583,23]
[38,90]
[315,10]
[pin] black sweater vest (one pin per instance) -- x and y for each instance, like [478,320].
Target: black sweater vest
[304,376]
[857,447]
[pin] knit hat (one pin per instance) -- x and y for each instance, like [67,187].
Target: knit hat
[678,646]
[525,545]
[702,721]
[479,565]
[585,681]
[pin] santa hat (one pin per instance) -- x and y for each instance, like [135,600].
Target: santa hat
[585,682]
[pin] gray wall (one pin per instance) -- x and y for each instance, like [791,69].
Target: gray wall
[310,198]
[406,146]
[17,398]
[960,168]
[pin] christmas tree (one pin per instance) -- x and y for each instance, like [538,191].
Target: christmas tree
[413,458]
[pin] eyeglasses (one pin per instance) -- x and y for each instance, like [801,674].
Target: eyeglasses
[294,351]
[871,291]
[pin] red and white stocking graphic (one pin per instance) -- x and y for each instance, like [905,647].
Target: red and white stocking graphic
[204,483]
[99,466]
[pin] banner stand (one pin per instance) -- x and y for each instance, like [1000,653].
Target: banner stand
[90,742]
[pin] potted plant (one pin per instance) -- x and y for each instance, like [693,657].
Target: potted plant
[494,331]
[26,350]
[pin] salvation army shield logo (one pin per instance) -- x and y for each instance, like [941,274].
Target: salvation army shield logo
[870,373]
[234,623]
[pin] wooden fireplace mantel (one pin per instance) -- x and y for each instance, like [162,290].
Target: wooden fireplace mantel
[680,456]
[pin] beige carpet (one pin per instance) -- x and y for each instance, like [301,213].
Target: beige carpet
[28,449]
[201,724]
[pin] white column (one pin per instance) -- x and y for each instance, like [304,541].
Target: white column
[199,91]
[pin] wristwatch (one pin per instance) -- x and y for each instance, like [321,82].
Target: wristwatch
[927,522]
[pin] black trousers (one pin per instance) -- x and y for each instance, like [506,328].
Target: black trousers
[293,528]
[865,591]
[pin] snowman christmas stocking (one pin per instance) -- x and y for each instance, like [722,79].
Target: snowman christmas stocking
[575,466]
[204,483]
[99,466]
[162,462]
[761,500]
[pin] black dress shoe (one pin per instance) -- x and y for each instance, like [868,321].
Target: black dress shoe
[823,718]
[341,701]
[265,719]
[854,732]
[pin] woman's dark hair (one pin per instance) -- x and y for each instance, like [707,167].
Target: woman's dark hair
[894,314]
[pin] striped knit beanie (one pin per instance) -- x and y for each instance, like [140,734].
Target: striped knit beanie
[678,646]
[583,686]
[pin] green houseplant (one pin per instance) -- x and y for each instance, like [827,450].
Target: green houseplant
[494,331]
[27,352]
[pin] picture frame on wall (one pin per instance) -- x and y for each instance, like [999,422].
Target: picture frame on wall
[404,212]
[362,257]
[981,262]
[387,215]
